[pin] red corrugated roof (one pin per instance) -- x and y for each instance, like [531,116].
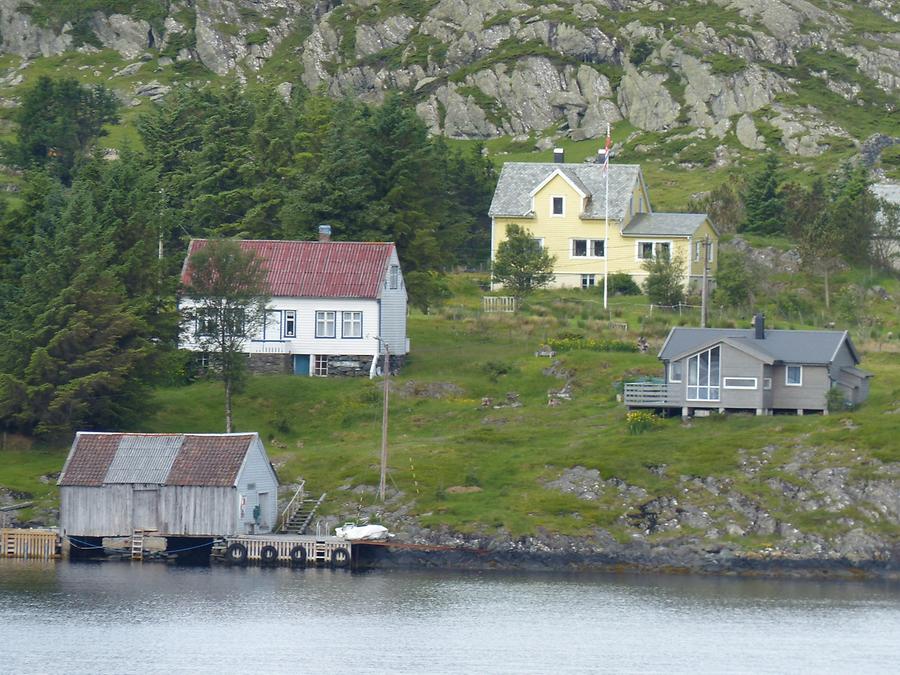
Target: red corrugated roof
[315,269]
[89,459]
[208,459]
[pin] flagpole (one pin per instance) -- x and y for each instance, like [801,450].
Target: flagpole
[606,237]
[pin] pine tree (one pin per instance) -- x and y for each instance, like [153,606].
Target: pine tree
[521,264]
[763,202]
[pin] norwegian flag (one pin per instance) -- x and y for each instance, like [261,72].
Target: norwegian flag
[606,151]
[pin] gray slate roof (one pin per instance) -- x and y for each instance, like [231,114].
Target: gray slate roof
[673,224]
[812,347]
[512,196]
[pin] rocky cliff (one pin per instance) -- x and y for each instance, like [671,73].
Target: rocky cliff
[805,75]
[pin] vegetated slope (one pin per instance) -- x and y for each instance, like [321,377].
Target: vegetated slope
[694,83]
[478,455]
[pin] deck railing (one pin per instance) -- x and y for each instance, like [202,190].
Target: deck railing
[293,505]
[649,394]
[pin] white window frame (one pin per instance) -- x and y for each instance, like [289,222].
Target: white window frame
[322,322]
[539,241]
[697,246]
[588,246]
[672,377]
[588,281]
[553,213]
[709,252]
[787,376]
[767,383]
[708,385]
[654,244]
[320,365]
[352,319]
[725,384]
[290,318]
[394,277]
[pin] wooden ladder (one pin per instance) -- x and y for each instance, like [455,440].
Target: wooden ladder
[137,545]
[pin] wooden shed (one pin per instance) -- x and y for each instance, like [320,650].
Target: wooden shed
[176,484]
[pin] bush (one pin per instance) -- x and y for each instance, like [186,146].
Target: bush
[735,281]
[496,369]
[664,284]
[621,283]
[641,50]
[566,344]
[792,305]
[639,421]
[835,400]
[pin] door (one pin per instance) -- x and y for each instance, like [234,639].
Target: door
[265,518]
[145,509]
[301,364]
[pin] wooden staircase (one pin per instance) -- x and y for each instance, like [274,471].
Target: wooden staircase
[137,545]
[299,521]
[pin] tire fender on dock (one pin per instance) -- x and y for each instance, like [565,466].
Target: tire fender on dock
[298,556]
[268,555]
[340,557]
[236,554]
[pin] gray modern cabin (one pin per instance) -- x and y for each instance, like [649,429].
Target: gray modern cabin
[208,485]
[754,369]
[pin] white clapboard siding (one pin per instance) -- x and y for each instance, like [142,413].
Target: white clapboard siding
[258,473]
[393,312]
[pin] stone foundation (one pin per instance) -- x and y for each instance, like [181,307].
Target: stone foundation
[339,365]
[270,364]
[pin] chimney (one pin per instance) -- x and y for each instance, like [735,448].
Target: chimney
[759,326]
[559,156]
[325,233]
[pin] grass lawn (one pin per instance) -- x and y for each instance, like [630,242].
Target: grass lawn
[328,430]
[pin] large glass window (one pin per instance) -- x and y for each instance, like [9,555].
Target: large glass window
[325,324]
[352,327]
[703,376]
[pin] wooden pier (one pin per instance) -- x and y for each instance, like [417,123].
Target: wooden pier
[29,544]
[297,550]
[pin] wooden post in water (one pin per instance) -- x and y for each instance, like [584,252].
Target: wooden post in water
[384,421]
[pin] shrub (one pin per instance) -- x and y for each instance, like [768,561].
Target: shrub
[641,50]
[792,304]
[664,284]
[835,400]
[566,344]
[639,421]
[621,283]
[496,369]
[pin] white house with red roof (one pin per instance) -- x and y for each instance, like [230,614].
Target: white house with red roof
[333,306]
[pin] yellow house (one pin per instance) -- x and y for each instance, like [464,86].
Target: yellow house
[563,206]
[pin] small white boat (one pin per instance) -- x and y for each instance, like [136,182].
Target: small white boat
[354,532]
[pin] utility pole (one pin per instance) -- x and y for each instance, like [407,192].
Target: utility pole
[704,291]
[384,420]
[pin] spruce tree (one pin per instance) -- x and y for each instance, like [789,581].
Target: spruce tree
[763,203]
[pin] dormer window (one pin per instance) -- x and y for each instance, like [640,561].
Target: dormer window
[559,206]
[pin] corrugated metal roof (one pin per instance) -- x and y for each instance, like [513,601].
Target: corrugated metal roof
[210,460]
[89,459]
[518,179]
[143,459]
[98,459]
[663,224]
[813,347]
[314,269]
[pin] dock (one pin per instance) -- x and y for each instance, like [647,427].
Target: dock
[296,550]
[29,544]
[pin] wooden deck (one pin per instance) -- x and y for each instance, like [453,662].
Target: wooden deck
[318,550]
[29,544]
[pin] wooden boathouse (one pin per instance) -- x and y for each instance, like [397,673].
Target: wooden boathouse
[170,485]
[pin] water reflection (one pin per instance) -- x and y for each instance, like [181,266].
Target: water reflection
[121,617]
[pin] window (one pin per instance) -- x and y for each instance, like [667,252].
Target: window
[663,250]
[320,366]
[325,324]
[588,248]
[234,321]
[559,206]
[739,382]
[539,241]
[394,278]
[588,280]
[290,323]
[645,250]
[767,383]
[206,323]
[352,327]
[793,376]
[703,376]
[675,371]
[697,248]
[709,253]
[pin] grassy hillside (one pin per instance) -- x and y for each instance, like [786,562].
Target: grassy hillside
[328,430]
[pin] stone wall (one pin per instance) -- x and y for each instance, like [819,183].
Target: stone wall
[270,364]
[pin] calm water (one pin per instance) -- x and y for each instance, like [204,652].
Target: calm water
[124,618]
